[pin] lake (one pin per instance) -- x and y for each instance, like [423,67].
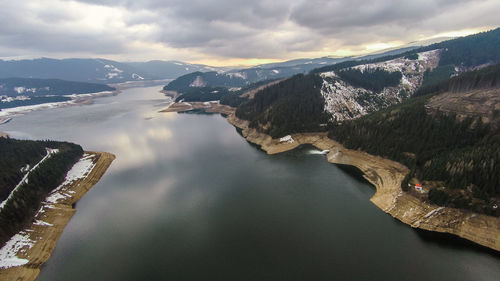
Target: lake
[187,198]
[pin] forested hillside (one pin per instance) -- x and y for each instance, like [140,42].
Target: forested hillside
[462,153]
[488,77]
[291,106]
[17,157]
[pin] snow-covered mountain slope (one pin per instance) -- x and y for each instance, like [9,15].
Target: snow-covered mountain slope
[345,101]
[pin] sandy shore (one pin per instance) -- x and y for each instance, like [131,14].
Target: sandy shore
[386,176]
[49,223]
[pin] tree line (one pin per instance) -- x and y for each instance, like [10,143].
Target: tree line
[464,155]
[19,211]
[291,106]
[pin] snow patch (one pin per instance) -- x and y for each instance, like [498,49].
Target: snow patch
[198,82]
[11,99]
[76,99]
[433,212]
[286,139]
[137,76]
[238,74]
[80,170]
[42,223]
[112,71]
[18,243]
[344,101]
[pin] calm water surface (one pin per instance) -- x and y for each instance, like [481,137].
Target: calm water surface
[187,198]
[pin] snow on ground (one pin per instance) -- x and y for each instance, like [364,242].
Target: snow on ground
[75,99]
[11,99]
[433,212]
[137,76]
[112,71]
[21,242]
[237,74]
[89,95]
[42,223]
[8,254]
[25,178]
[198,82]
[345,101]
[287,139]
[80,170]
[27,108]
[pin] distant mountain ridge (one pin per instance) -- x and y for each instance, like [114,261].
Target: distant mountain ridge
[106,71]
[97,70]
[271,71]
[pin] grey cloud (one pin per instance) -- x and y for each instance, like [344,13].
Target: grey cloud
[238,28]
[331,17]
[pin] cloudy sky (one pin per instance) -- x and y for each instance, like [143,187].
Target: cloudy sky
[230,32]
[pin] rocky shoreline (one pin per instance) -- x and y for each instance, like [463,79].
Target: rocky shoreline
[386,175]
[50,221]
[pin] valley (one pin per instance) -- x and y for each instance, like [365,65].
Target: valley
[219,173]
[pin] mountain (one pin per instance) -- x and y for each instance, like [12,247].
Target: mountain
[271,71]
[449,138]
[96,70]
[205,79]
[355,88]
[169,69]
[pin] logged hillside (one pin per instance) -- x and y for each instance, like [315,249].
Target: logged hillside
[347,93]
[44,164]
[460,153]
[204,79]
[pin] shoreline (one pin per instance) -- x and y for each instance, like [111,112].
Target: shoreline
[7,114]
[49,222]
[386,175]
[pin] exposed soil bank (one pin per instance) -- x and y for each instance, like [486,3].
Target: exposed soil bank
[54,217]
[386,175]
